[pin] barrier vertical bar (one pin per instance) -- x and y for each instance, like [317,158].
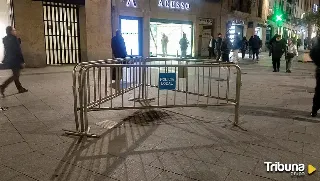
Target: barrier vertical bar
[238,87]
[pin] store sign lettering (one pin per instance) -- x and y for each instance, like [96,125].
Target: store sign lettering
[131,3]
[174,4]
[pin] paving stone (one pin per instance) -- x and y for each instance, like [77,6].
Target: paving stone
[307,138]
[241,176]
[237,162]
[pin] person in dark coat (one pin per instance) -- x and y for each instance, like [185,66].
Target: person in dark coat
[273,39]
[314,55]
[13,59]
[218,46]
[244,46]
[278,49]
[118,46]
[256,45]
[226,46]
[250,46]
[119,50]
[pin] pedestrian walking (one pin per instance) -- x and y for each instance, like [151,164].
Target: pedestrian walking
[244,47]
[315,56]
[226,46]
[119,50]
[184,43]
[291,52]
[256,45]
[13,59]
[212,47]
[218,46]
[273,39]
[237,43]
[278,49]
[250,46]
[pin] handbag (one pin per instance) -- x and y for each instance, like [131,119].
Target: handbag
[290,55]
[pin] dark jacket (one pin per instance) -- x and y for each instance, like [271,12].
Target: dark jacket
[315,54]
[256,43]
[250,41]
[13,57]
[278,49]
[118,47]
[244,44]
[226,46]
[219,42]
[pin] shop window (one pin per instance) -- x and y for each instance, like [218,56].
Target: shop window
[174,31]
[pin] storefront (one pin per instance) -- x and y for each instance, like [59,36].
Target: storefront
[173,31]
[155,28]
[236,28]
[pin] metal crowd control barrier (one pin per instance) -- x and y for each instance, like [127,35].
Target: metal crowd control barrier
[149,83]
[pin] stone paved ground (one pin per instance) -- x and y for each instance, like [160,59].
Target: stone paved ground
[166,144]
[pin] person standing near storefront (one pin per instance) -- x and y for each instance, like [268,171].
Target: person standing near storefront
[13,59]
[278,48]
[119,50]
[164,42]
[218,46]
[244,47]
[237,43]
[211,48]
[184,43]
[290,54]
[226,46]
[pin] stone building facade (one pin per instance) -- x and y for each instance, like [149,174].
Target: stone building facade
[69,34]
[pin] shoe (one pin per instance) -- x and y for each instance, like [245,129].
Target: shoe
[278,70]
[289,71]
[2,90]
[274,71]
[313,114]
[23,90]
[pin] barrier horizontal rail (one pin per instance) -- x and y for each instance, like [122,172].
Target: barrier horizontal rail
[103,85]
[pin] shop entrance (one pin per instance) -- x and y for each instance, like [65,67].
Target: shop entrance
[173,30]
[236,30]
[131,29]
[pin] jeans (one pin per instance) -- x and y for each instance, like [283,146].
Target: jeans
[225,57]
[15,77]
[288,64]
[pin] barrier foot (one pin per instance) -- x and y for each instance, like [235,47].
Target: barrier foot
[238,126]
[81,134]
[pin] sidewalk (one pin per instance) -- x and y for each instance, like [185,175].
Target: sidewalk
[168,144]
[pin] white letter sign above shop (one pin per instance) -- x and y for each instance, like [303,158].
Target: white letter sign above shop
[174,4]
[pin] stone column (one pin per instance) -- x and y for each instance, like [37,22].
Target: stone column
[146,35]
[98,28]
[83,34]
[30,28]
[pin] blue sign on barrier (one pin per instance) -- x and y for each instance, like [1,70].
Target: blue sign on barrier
[167,81]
